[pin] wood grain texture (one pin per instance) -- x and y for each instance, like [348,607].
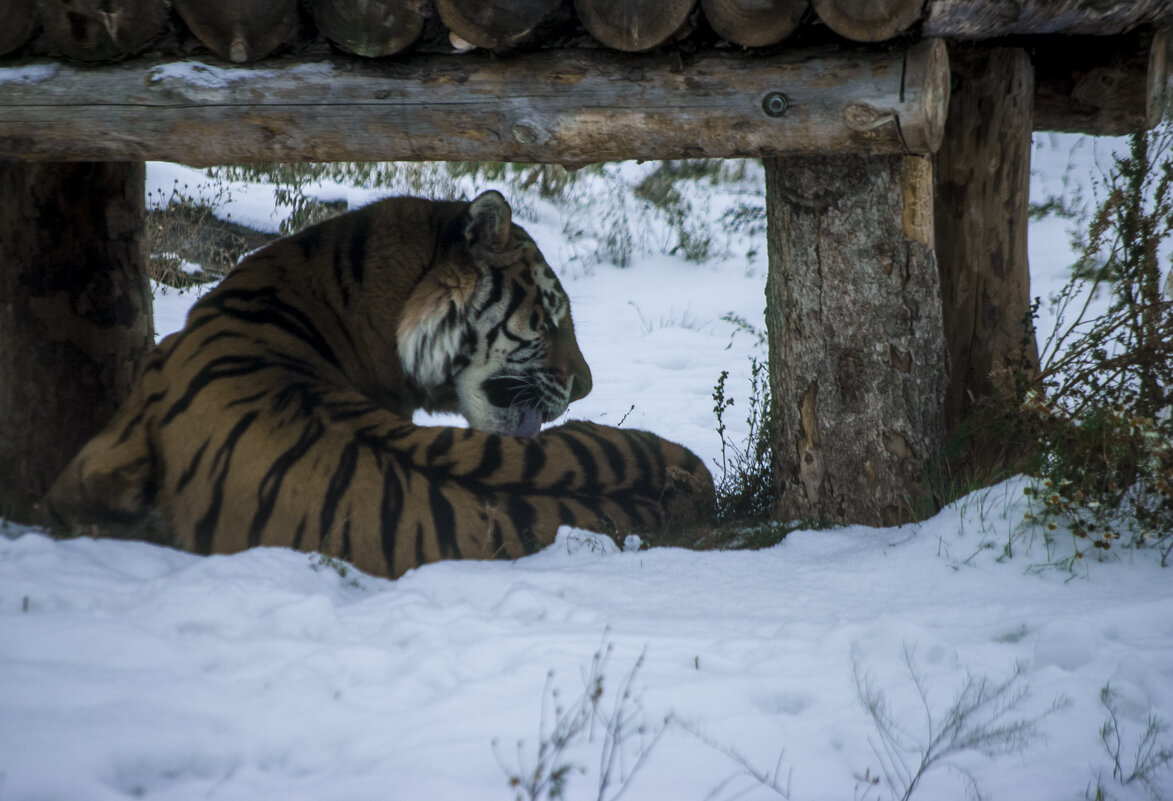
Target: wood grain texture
[75,321]
[1102,87]
[868,20]
[986,19]
[495,24]
[754,23]
[371,28]
[564,107]
[857,353]
[239,30]
[18,20]
[101,30]
[982,191]
[634,25]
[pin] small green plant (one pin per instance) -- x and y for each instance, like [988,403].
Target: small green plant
[1100,406]
[745,490]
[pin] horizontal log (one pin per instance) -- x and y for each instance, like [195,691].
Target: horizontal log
[1101,87]
[985,19]
[554,107]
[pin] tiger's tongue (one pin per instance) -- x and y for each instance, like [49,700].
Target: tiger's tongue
[531,423]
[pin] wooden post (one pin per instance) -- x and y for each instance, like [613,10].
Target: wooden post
[982,191]
[75,316]
[857,354]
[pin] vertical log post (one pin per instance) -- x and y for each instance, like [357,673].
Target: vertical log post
[857,355]
[75,313]
[982,192]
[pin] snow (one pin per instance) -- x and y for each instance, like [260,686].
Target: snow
[28,74]
[133,671]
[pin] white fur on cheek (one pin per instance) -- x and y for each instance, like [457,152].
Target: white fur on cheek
[430,342]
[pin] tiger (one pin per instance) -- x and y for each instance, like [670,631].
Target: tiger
[281,414]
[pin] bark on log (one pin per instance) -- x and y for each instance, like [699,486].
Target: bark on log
[1087,85]
[982,192]
[239,31]
[370,28]
[75,316]
[634,25]
[559,107]
[986,19]
[857,354]
[754,23]
[102,30]
[868,20]
[18,20]
[495,24]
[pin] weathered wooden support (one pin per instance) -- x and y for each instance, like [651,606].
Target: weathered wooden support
[371,28]
[18,20]
[1104,88]
[570,108]
[857,353]
[634,25]
[754,23]
[988,19]
[239,31]
[102,30]
[868,20]
[982,193]
[495,24]
[74,313]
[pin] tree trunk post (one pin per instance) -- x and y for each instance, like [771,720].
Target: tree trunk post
[981,200]
[75,313]
[857,353]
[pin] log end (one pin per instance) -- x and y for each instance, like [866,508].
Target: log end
[754,23]
[868,20]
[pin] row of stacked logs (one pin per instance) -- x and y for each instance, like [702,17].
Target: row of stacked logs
[247,30]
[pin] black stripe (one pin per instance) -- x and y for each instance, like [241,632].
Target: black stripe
[270,484]
[192,466]
[339,483]
[523,517]
[440,446]
[534,461]
[588,467]
[491,459]
[612,453]
[337,268]
[130,428]
[444,520]
[390,512]
[298,534]
[358,245]
[347,550]
[498,541]
[420,558]
[215,370]
[205,528]
[265,307]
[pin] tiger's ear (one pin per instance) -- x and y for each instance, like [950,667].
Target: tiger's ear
[431,334]
[490,221]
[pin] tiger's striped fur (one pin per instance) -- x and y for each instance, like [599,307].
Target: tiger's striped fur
[281,414]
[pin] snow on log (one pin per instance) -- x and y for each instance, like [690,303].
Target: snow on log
[370,28]
[754,23]
[239,30]
[634,25]
[868,20]
[553,107]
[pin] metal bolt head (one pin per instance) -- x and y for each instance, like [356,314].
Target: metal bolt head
[775,104]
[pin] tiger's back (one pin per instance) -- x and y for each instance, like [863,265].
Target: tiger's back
[281,414]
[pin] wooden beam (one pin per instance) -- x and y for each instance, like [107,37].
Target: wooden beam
[75,320]
[857,354]
[570,108]
[868,20]
[982,189]
[986,19]
[1104,88]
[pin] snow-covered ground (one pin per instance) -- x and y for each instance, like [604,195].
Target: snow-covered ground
[128,670]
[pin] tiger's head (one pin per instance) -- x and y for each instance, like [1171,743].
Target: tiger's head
[489,327]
